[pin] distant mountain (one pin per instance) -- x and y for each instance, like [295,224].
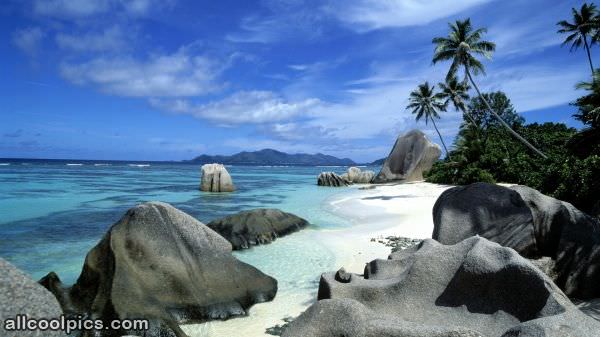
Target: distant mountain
[378,162]
[274,157]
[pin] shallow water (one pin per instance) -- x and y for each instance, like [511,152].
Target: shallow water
[53,213]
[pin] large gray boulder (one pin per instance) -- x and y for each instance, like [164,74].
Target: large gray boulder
[412,154]
[475,288]
[332,179]
[215,178]
[529,222]
[494,212]
[256,227]
[161,264]
[356,176]
[20,295]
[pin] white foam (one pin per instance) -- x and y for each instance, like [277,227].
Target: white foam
[74,164]
[139,165]
[4,164]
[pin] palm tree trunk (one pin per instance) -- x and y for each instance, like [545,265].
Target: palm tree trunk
[441,139]
[468,114]
[513,132]
[589,55]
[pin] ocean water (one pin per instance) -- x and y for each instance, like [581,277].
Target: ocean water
[53,213]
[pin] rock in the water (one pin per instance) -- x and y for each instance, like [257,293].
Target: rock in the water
[357,176]
[215,178]
[474,288]
[412,154]
[20,295]
[256,227]
[332,179]
[529,222]
[161,264]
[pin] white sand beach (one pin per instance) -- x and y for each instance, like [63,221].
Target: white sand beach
[375,211]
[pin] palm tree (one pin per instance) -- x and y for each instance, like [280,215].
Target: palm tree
[589,105]
[457,93]
[460,47]
[585,23]
[425,103]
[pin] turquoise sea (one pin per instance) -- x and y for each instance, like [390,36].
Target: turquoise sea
[54,212]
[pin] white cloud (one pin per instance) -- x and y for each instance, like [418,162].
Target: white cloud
[75,9]
[180,74]
[253,107]
[110,39]
[70,8]
[28,39]
[365,15]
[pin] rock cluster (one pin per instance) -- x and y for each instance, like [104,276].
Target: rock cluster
[474,288]
[256,227]
[215,178]
[20,295]
[531,223]
[356,176]
[332,179]
[412,154]
[161,264]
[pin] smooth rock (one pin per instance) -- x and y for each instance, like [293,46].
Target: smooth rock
[332,179]
[533,224]
[473,288]
[159,263]
[215,178]
[356,176]
[256,227]
[20,295]
[412,154]
[492,211]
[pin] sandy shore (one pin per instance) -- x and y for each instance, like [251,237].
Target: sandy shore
[375,212]
[379,212]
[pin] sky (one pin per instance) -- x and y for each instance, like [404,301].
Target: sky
[173,79]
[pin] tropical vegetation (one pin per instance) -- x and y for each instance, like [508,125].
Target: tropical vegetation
[557,160]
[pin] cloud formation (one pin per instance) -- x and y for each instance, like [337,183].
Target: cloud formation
[182,73]
[28,40]
[253,107]
[366,15]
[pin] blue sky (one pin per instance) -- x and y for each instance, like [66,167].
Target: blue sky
[169,80]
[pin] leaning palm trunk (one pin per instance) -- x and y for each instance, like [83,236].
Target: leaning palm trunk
[467,113]
[513,132]
[589,55]
[441,139]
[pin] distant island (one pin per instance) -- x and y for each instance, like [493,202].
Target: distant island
[274,157]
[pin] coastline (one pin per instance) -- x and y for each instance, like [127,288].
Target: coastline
[376,211]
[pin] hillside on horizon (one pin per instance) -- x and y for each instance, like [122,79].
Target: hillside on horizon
[274,157]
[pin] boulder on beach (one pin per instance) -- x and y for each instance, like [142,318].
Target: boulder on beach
[332,179]
[474,288]
[215,178]
[256,227]
[356,176]
[20,295]
[412,155]
[161,264]
[531,223]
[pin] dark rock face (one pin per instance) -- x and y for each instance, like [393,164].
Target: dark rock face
[256,227]
[331,179]
[463,211]
[529,222]
[473,288]
[411,155]
[161,264]
[20,295]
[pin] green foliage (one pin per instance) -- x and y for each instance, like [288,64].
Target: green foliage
[486,152]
